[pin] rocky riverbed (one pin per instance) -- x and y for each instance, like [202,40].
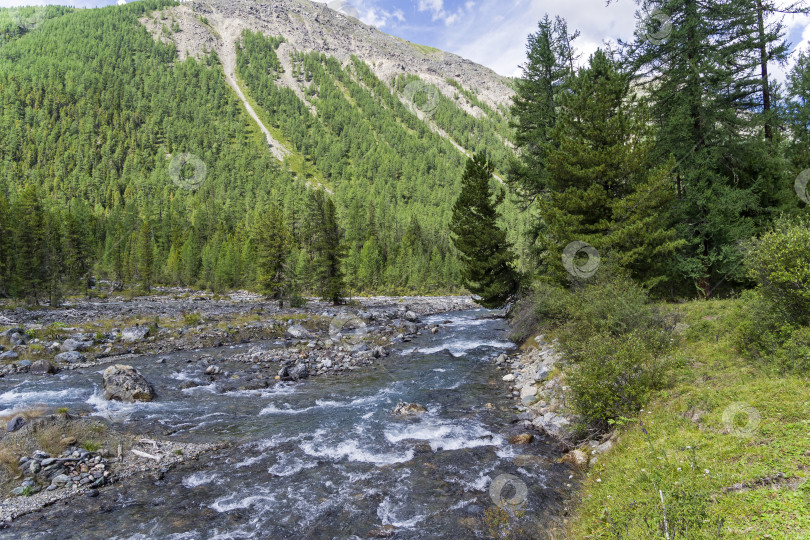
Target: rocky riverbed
[387,417]
[536,378]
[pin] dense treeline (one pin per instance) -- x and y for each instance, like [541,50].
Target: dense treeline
[96,112]
[670,167]
[666,154]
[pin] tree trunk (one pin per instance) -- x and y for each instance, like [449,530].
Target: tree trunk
[763,59]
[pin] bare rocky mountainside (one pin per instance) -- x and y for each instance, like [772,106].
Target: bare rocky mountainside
[315,27]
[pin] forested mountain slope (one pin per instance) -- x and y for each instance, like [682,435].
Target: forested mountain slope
[126,154]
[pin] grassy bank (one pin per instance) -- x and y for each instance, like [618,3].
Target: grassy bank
[723,453]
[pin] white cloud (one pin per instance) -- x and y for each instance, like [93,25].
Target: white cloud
[439,13]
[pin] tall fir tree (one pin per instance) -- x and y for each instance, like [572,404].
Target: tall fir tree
[488,262]
[272,240]
[327,246]
[551,58]
[30,245]
[602,187]
[703,72]
[145,254]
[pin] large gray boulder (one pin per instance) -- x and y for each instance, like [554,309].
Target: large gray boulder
[124,383]
[71,357]
[134,333]
[297,331]
[43,367]
[70,345]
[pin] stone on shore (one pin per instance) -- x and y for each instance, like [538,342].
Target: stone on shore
[43,367]
[297,331]
[71,357]
[134,333]
[15,423]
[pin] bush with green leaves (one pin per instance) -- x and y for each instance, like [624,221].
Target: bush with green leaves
[776,315]
[780,264]
[614,376]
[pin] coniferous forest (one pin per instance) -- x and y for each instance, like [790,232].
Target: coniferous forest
[665,155]
[98,119]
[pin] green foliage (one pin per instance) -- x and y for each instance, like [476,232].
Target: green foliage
[83,122]
[272,240]
[615,340]
[601,187]
[614,376]
[486,254]
[775,317]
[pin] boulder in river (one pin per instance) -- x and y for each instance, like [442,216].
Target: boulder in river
[69,357]
[134,333]
[523,438]
[124,383]
[405,409]
[43,367]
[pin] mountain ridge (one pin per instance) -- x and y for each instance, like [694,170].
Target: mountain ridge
[314,27]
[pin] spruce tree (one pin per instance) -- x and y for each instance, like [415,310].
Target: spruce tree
[327,246]
[5,245]
[30,245]
[798,112]
[145,255]
[534,110]
[272,240]
[602,187]
[708,84]
[488,262]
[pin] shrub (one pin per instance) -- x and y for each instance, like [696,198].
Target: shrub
[545,307]
[614,375]
[780,264]
[775,316]
[794,355]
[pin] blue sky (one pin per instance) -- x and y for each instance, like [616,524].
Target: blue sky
[491,32]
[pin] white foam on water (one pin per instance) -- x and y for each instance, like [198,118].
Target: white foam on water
[352,450]
[247,462]
[17,399]
[288,466]
[507,451]
[199,479]
[271,408]
[460,347]
[444,435]
[182,376]
[210,388]
[386,511]
[440,370]
[233,501]
[119,410]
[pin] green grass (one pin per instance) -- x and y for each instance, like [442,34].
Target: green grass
[755,486]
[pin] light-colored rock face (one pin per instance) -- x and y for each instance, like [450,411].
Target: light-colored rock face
[314,27]
[124,383]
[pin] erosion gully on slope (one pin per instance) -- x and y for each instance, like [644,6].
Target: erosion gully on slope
[324,458]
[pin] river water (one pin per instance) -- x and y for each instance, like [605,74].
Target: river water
[322,458]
